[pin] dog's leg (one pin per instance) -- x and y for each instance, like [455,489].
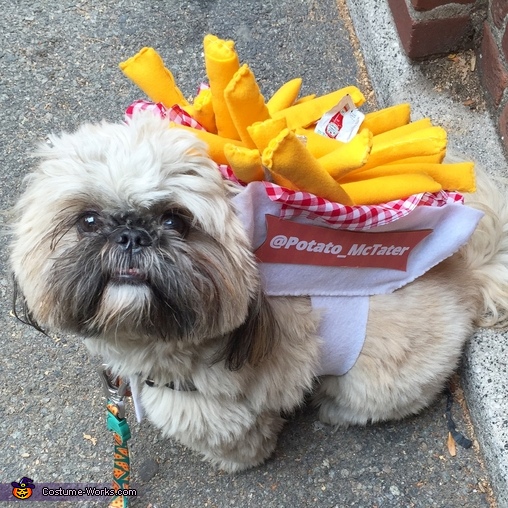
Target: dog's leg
[227,432]
[251,448]
[414,341]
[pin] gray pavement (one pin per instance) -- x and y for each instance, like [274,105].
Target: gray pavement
[58,68]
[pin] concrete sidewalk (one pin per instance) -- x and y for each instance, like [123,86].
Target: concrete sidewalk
[58,69]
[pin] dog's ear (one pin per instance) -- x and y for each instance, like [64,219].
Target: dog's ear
[254,338]
[24,315]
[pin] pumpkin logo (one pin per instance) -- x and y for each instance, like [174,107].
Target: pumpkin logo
[23,489]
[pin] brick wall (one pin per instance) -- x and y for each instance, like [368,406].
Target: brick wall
[435,27]
[494,63]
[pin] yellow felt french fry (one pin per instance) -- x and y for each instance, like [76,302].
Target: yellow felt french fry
[245,103]
[146,69]
[429,141]
[435,158]
[452,177]
[215,142]
[387,119]
[202,110]
[305,98]
[263,132]
[245,162]
[210,38]
[283,182]
[349,156]
[309,112]
[388,188]
[388,137]
[285,96]
[221,62]
[317,144]
[288,157]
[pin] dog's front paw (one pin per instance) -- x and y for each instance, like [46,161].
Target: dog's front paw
[251,449]
[238,464]
[332,413]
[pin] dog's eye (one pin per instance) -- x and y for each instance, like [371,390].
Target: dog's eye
[172,221]
[89,222]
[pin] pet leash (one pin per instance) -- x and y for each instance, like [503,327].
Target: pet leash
[115,417]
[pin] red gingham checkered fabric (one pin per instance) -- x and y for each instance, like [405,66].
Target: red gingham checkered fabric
[300,203]
[174,114]
[305,204]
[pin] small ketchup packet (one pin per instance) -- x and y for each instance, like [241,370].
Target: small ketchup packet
[341,122]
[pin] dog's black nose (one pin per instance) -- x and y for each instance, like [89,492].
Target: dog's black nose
[131,239]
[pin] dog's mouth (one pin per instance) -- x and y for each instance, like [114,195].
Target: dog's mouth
[130,276]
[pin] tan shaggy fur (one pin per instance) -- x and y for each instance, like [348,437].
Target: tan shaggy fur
[126,235]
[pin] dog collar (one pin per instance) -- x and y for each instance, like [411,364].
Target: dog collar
[179,386]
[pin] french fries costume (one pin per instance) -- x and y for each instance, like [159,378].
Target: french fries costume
[389,178]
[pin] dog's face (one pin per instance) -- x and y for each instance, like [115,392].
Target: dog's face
[127,229]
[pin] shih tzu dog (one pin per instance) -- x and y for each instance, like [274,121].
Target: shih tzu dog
[126,235]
